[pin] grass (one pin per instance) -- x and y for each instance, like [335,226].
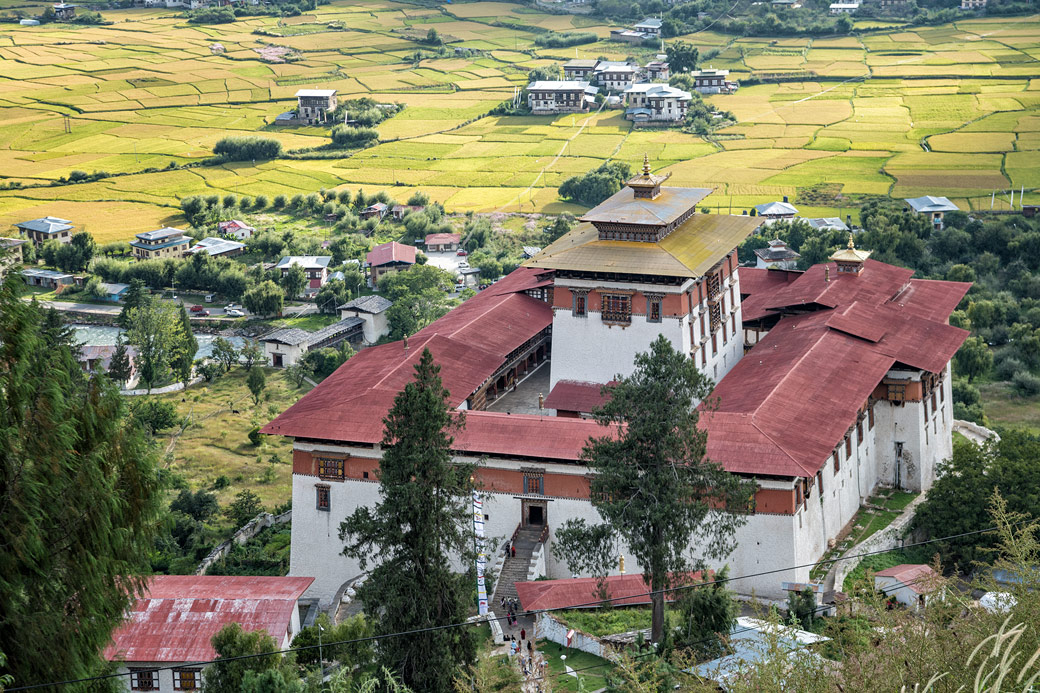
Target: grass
[216,443]
[1005,408]
[593,668]
[872,564]
[312,322]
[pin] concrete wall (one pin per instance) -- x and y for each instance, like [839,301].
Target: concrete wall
[290,354]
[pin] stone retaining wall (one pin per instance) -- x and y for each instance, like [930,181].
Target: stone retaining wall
[890,537]
[250,530]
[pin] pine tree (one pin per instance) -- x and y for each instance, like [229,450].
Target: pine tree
[79,502]
[652,482]
[421,523]
[136,294]
[183,361]
[119,369]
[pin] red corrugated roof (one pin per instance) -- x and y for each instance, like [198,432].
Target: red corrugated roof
[576,395]
[178,615]
[757,288]
[915,576]
[625,590]
[442,238]
[390,252]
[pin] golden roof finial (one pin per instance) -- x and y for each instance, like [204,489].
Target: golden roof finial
[852,246]
[646,164]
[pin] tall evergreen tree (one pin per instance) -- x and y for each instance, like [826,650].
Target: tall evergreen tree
[119,368]
[155,330]
[79,502]
[136,294]
[184,359]
[421,523]
[652,482]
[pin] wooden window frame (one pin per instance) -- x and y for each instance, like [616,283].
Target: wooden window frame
[580,304]
[195,679]
[654,308]
[870,417]
[333,468]
[152,683]
[540,486]
[896,391]
[616,308]
[859,432]
[837,461]
[848,445]
[323,497]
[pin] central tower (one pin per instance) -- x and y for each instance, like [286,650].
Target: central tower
[641,264]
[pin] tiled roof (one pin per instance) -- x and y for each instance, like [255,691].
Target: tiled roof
[391,252]
[624,590]
[914,576]
[368,304]
[576,395]
[176,617]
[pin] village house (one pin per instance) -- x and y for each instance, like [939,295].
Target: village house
[399,211]
[777,210]
[650,27]
[844,7]
[98,359]
[627,36]
[580,69]
[656,103]
[10,254]
[315,267]
[443,242]
[932,206]
[376,210]
[48,279]
[777,255]
[372,311]
[550,96]
[712,81]
[847,388]
[168,631]
[615,76]
[828,224]
[39,231]
[218,247]
[113,291]
[286,346]
[315,105]
[907,584]
[164,242]
[386,258]
[64,12]
[657,70]
[236,229]
[973,4]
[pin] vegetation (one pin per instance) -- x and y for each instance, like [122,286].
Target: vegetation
[591,188]
[564,39]
[419,296]
[417,528]
[232,643]
[156,330]
[247,148]
[81,501]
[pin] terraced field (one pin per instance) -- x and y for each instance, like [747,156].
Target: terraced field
[951,110]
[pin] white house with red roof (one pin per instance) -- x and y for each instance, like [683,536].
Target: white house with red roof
[165,640]
[386,258]
[909,584]
[847,388]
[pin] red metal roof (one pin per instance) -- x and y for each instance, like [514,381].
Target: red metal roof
[757,287]
[178,615]
[576,395]
[625,590]
[915,576]
[390,252]
[442,238]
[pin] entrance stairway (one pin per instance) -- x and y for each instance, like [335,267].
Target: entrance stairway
[514,569]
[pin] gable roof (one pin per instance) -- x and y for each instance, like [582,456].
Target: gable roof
[159,234]
[368,304]
[931,203]
[216,246]
[914,576]
[45,225]
[294,336]
[175,618]
[315,92]
[391,252]
[304,261]
[442,238]
[775,209]
[624,590]
[576,395]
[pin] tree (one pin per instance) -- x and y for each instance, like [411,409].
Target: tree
[119,368]
[707,614]
[420,525]
[252,354]
[349,656]
[265,298]
[682,56]
[597,185]
[973,358]
[81,502]
[224,352]
[155,415]
[257,381]
[651,481]
[155,329]
[228,676]
[247,148]
[184,361]
[801,608]
[294,281]
[560,226]
[199,506]
[299,372]
[244,508]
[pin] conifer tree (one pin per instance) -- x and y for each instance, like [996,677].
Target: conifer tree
[79,502]
[184,359]
[119,368]
[418,528]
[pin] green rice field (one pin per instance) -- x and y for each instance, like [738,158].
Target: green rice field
[950,110]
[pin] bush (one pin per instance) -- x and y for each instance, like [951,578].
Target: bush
[247,148]
[1006,366]
[346,136]
[565,39]
[1026,384]
[255,436]
[597,185]
[211,15]
[155,415]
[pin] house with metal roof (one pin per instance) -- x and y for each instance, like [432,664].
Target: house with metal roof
[712,81]
[48,279]
[615,76]
[560,96]
[315,105]
[10,254]
[580,69]
[777,210]
[217,247]
[315,267]
[443,242]
[372,311]
[386,258]
[233,228]
[752,641]
[284,347]
[650,102]
[161,243]
[44,229]
[911,585]
[166,636]
[933,207]
[828,224]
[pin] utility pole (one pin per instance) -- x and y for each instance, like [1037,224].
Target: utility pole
[321,659]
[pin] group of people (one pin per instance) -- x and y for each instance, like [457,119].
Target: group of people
[511,606]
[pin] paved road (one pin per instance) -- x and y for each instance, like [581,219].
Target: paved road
[80,307]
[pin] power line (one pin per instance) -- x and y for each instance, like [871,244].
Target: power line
[537,611]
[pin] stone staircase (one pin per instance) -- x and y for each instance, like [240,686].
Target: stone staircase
[514,569]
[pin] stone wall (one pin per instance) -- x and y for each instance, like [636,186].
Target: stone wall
[890,537]
[250,530]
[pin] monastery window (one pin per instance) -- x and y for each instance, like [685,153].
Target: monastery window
[897,391]
[714,285]
[724,337]
[144,680]
[704,354]
[819,482]
[580,307]
[187,679]
[933,402]
[653,309]
[322,499]
[534,484]
[837,461]
[798,498]
[870,417]
[617,308]
[859,432]
[703,331]
[848,445]
[330,468]
[714,344]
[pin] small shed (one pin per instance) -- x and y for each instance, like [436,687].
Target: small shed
[442,242]
[909,584]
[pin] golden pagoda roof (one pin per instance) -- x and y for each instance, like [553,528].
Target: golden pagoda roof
[697,245]
[850,254]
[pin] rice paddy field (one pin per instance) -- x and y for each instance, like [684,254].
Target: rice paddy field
[950,110]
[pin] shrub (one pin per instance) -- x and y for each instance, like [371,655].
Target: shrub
[279,202]
[211,15]
[1006,366]
[565,39]
[345,135]
[255,437]
[1026,384]
[247,148]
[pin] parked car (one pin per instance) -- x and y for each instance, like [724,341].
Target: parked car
[232,306]
[462,252]
[463,265]
[209,298]
[197,309]
[234,313]
[203,314]
[460,287]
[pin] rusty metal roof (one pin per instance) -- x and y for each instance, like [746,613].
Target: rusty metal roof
[624,208]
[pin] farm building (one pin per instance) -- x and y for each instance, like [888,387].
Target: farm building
[316,267]
[910,585]
[399,211]
[656,103]
[579,69]
[712,81]
[48,279]
[63,11]
[169,627]
[777,210]
[218,247]
[657,70]
[777,255]
[627,35]
[236,229]
[39,231]
[548,96]
[164,242]
[372,310]
[934,207]
[650,27]
[288,345]
[10,254]
[315,105]
[386,258]
[376,210]
[443,242]
[828,224]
